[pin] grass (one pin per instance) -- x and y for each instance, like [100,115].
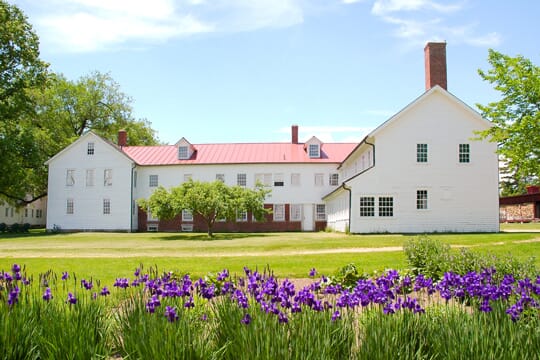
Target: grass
[106,256]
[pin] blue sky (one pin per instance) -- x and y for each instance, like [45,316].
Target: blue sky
[245,71]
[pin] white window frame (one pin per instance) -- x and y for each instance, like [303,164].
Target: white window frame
[422,153]
[464,153]
[241,179]
[296,212]
[152,227]
[319,179]
[320,212]
[278,212]
[153,180]
[220,177]
[333,179]
[90,148]
[367,206]
[107,177]
[70,177]
[70,206]
[183,152]
[106,206]
[90,177]
[314,151]
[241,216]
[187,215]
[386,206]
[422,199]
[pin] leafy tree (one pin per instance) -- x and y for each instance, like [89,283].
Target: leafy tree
[516,118]
[209,200]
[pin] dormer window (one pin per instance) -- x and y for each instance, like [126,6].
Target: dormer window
[90,148]
[314,150]
[183,152]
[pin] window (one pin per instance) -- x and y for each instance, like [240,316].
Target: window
[367,206]
[107,177]
[69,206]
[320,212]
[90,148]
[421,153]
[39,213]
[183,152]
[70,177]
[187,215]
[296,212]
[314,151]
[7,212]
[421,199]
[25,212]
[333,179]
[152,227]
[150,216]
[241,216]
[319,179]
[265,179]
[279,212]
[241,180]
[386,206]
[188,177]
[153,181]
[33,213]
[106,206]
[278,180]
[295,179]
[464,153]
[89,177]
[220,177]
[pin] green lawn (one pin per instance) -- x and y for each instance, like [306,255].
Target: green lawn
[106,256]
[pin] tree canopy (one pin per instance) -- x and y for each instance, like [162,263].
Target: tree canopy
[516,119]
[209,200]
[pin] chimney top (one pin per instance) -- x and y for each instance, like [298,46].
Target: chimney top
[122,137]
[435,63]
[294,134]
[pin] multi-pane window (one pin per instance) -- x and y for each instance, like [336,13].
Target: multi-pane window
[39,213]
[314,151]
[319,179]
[241,216]
[279,212]
[421,153]
[464,153]
[7,212]
[187,215]
[89,177]
[69,206]
[278,180]
[241,179]
[183,152]
[220,177]
[320,212]
[386,206]
[153,181]
[295,179]
[106,206]
[25,212]
[90,149]
[70,177]
[421,199]
[107,177]
[333,179]
[367,206]
[296,212]
[265,179]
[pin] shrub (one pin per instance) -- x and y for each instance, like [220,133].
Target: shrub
[25,227]
[15,228]
[3,227]
[426,256]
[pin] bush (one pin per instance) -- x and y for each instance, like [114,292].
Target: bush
[426,256]
[3,227]
[15,228]
[26,227]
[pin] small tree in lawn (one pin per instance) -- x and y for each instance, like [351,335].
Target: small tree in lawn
[209,200]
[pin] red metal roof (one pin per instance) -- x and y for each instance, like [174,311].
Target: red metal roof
[246,153]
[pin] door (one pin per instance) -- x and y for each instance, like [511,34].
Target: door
[307,218]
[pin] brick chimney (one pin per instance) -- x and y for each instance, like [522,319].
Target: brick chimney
[122,137]
[532,189]
[435,62]
[294,134]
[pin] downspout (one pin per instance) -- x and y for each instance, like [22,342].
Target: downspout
[131,208]
[350,204]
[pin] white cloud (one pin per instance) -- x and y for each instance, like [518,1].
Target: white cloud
[93,25]
[382,7]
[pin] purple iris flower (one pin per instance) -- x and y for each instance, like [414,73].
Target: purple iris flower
[246,320]
[13,296]
[71,299]
[170,313]
[16,268]
[47,295]
[312,272]
[105,291]
[336,315]
[65,275]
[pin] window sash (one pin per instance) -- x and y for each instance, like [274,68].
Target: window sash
[70,177]
[153,180]
[107,177]
[421,199]
[464,153]
[279,212]
[367,206]
[241,179]
[90,149]
[187,215]
[333,179]
[106,206]
[319,179]
[386,206]
[295,179]
[421,153]
[70,206]
[320,212]
[296,212]
[314,151]
[183,152]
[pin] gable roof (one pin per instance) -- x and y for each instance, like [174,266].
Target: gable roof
[84,137]
[238,153]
